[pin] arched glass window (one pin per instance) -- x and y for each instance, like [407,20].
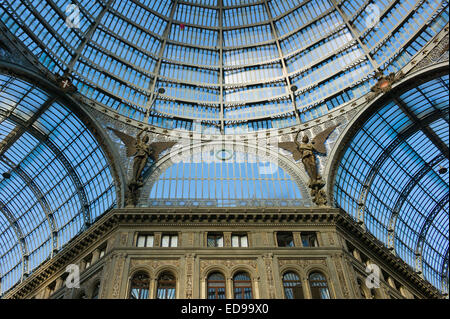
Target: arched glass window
[319,286]
[96,291]
[166,286]
[242,179]
[139,286]
[292,286]
[216,286]
[242,286]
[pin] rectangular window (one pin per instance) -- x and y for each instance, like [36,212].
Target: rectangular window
[285,239]
[169,240]
[87,261]
[239,240]
[145,240]
[309,240]
[215,240]
[102,251]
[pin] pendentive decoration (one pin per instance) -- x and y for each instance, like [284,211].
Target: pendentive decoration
[65,83]
[304,150]
[384,84]
[138,148]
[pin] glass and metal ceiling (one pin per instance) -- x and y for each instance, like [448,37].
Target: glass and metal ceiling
[227,179]
[231,65]
[55,179]
[393,177]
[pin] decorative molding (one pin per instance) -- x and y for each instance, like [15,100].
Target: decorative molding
[190,258]
[117,277]
[227,262]
[331,239]
[436,51]
[154,263]
[123,239]
[341,276]
[268,262]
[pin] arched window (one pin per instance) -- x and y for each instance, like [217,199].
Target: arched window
[319,286]
[139,286]
[242,286]
[292,286]
[216,286]
[96,291]
[243,179]
[166,286]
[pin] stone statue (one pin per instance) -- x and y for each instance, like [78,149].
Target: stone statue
[304,150]
[139,148]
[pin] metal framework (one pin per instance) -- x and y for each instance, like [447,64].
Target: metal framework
[424,230]
[267,47]
[413,182]
[15,167]
[381,159]
[397,191]
[28,127]
[20,236]
[197,180]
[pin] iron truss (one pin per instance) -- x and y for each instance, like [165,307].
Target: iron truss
[28,126]
[268,18]
[360,183]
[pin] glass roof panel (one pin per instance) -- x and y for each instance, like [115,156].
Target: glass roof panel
[206,51]
[397,160]
[226,179]
[59,178]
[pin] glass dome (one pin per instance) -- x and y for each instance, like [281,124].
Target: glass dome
[55,179]
[232,65]
[393,177]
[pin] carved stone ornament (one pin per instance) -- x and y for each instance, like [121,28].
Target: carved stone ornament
[304,150]
[154,263]
[384,84]
[227,263]
[302,262]
[138,148]
[65,83]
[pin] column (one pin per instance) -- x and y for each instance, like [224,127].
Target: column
[297,239]
[229,288]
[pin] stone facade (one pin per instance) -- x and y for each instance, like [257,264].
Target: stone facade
[108,256]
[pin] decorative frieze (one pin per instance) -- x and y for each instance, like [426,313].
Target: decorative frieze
[118,274]
[154,263]
[190,258]
[228,263]
[340,273]
[302,262]
[268,263]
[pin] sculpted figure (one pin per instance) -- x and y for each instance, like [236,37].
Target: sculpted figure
[304,150]
[138,148]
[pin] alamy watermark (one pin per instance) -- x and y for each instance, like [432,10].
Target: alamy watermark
[73,16]
[73,279]
[373,279]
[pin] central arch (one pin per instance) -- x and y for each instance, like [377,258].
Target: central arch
[268,162]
